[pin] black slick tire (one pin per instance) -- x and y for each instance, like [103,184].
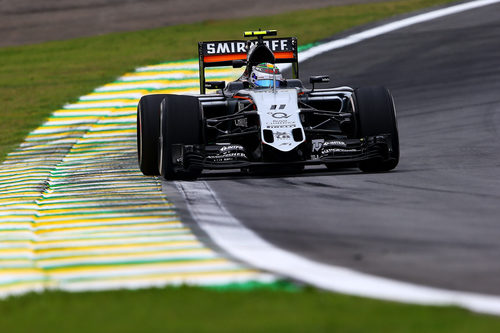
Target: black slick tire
[376,115]
[148,133]
[180,119]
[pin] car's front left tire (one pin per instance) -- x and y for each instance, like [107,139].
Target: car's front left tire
[376,115]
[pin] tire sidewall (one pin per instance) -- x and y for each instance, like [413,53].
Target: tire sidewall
[180,124]
[148,126]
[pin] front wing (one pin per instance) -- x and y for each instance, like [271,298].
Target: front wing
[317,152]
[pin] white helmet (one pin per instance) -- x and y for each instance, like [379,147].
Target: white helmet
[262,76]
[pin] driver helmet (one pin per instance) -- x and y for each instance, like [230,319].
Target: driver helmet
[262,76]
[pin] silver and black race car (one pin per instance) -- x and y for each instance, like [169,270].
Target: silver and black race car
[252,126]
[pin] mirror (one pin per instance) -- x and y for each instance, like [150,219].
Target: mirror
[215,84]
[239,63]
[319,79]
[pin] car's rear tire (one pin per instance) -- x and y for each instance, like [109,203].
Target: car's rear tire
[148,133]
[180,119]
[376,115]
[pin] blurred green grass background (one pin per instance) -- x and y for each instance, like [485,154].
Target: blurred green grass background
[189,309]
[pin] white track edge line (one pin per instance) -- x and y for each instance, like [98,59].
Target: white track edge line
[389,27]
[244,244]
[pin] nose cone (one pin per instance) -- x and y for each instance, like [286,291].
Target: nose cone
[279,117]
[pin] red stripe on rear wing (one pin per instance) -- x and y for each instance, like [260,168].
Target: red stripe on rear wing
[226,59]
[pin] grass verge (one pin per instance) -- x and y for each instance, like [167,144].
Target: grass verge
[200,310]
[37,79]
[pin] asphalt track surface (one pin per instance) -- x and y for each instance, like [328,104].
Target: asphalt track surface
[435,219]
[27,21]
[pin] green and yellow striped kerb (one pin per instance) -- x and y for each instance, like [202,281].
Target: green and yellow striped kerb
[77,214]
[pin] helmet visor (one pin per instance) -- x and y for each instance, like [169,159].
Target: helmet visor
[266,83]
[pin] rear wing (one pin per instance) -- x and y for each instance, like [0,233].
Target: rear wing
[222,53]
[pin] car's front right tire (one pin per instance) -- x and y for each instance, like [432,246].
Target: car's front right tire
[148,131]
[180,124]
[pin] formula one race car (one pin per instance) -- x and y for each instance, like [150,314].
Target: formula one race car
[262,120]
